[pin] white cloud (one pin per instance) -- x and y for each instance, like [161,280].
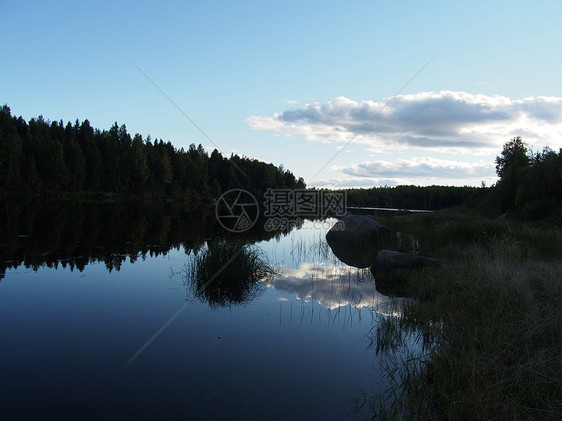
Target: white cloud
[355,182]
[423,171]
[421,167]
[446,120]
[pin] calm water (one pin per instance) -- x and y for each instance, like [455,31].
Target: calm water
[80,341]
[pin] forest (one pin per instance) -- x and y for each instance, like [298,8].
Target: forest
[41,156]
[414,197]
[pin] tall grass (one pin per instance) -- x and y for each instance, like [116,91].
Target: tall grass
[227,273]
[313,249]
[488,324]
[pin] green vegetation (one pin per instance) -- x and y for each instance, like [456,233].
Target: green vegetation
[530,185]
[415,197]
[41,156]
[227,273]
[529,188]
[488,324]
[481,337]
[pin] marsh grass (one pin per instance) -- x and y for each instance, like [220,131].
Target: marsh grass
[488,328]
[228,272]
[315,249]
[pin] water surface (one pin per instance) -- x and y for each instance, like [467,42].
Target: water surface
[120,336]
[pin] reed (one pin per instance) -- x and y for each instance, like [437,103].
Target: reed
[228,273]
[482,338]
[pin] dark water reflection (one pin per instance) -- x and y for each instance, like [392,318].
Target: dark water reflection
[75,234]
[86,288]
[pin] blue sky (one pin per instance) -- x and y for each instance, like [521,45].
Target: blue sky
[293,82]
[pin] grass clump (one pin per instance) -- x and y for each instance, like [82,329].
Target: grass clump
[489,329]
[228,273]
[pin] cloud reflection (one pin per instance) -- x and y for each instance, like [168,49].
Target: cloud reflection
[333,286]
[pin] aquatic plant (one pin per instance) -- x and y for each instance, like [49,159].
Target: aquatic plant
[227,273]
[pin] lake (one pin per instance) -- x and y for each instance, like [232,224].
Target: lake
[98,320]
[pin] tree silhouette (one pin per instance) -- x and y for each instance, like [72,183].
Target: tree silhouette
[511,168]
[40,156]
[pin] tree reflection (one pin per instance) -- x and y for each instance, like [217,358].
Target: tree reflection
[72,234]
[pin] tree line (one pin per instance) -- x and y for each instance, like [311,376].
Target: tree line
[414,197]
[529,187]
[41,156]
[530,183]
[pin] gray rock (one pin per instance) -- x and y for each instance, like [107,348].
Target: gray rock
[356,227]
[401,212]
[400,249]
[395,262]
[358,253]
[503,217]
[354,239]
